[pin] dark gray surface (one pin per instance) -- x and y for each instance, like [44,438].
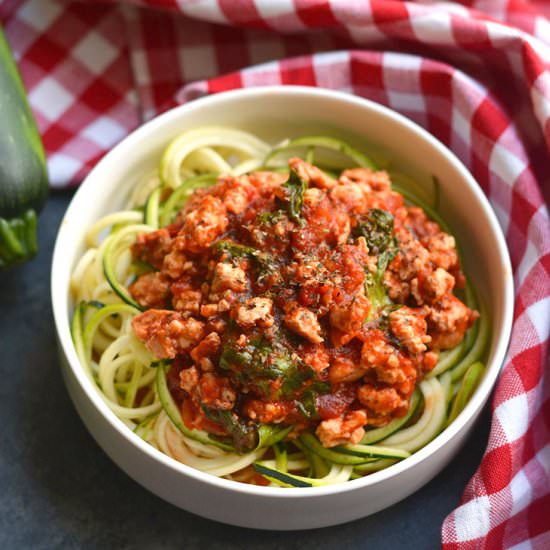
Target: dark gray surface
[59,490]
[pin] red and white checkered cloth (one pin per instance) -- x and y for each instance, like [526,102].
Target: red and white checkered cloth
[476,74]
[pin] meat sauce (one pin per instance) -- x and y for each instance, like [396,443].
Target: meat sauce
[298,300]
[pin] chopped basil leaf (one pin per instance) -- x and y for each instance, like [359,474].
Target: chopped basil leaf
[295,188]
[245,435]
[377,228]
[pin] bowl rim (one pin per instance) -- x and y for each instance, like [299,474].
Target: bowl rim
[60,299]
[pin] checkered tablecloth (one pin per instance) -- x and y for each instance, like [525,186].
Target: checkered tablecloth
[475,74]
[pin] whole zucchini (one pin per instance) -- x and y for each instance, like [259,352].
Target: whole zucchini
[23,175]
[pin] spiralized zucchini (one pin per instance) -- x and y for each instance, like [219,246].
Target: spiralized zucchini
[125,372]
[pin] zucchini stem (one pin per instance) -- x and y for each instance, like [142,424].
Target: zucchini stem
[18,239]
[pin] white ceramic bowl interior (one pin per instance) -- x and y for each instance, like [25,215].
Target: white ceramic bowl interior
[274,113]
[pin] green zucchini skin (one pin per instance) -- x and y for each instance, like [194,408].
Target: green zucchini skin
[23,174]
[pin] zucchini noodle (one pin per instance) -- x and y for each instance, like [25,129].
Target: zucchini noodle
[133,383]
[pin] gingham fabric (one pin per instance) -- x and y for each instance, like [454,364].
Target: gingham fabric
[475,74]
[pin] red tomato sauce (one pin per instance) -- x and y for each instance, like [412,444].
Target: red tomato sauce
[298,300]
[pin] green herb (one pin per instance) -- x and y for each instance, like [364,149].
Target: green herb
[376,290]
[270,218]
[385,258]
[258,359]
[376,293]
[261,362]
[235,250]
[296,381]
[306,403]
[377,228]
[244,435]
[295,188]
[374,283]
[264,261]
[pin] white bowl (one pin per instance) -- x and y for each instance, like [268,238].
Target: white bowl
[273,113]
